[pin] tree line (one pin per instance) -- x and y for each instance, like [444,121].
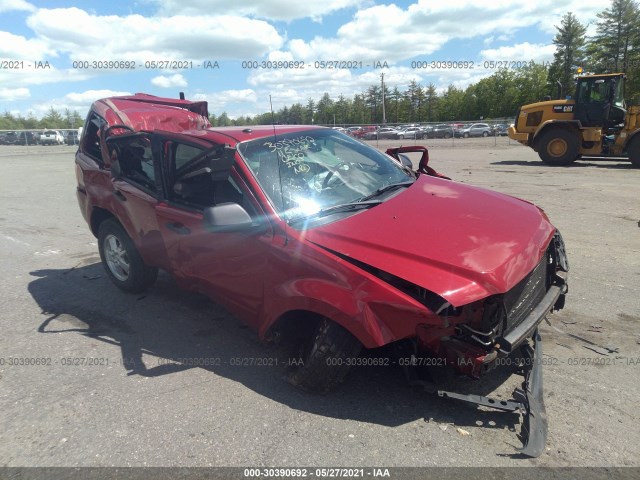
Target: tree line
[53,119]
[615,47]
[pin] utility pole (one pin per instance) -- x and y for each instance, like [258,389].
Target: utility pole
[384,114]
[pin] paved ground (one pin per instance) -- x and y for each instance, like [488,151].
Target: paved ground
[134,409]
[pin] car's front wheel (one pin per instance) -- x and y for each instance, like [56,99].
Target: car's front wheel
[121,260]
[326,357]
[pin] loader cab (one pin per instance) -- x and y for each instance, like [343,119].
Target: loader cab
[600,100]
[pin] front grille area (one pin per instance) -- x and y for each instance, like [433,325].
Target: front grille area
[523,298]
[504,314]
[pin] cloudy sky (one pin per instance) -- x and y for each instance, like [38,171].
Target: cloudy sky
[54,53]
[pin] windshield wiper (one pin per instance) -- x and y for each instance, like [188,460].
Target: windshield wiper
[384,189]
[340,208]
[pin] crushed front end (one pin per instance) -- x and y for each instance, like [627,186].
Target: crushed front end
[476,337]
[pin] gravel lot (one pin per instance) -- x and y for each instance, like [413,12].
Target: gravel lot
[137,407]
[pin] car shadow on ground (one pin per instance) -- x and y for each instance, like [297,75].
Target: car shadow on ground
[167,330]
[582,163]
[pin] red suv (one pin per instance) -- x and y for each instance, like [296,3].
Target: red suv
[311,236]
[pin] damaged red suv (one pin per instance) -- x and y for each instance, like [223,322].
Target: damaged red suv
[306,233]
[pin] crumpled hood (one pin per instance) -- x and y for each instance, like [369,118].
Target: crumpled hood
[462,242]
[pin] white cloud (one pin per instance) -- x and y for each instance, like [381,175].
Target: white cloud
[78,101]
[520,52]
[221,101]
[10,94]
[271,9]
[175,80]
[8,5]
[30,75]
[17,47]
[90,96]
[391,33]
[134,37]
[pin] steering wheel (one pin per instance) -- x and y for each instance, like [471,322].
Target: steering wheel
[341,166]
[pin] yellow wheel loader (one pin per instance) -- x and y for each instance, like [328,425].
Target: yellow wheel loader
[594,123]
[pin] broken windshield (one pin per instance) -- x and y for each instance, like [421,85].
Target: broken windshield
[308,171]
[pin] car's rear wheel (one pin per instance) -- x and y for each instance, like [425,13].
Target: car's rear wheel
[327,357]
[558,147]
[485,134]
[121,260]
[447,135]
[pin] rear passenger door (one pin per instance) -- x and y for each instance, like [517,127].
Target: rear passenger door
[136,190]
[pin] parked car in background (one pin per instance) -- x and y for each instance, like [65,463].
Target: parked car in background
[352,130]
[474,130]
[499,129]
[364,130]
[8,138]
[18,138]
[381,133]
[51,137]
[440,131]
[71,138]
[410,132]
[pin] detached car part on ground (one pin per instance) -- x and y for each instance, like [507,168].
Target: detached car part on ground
[315,238]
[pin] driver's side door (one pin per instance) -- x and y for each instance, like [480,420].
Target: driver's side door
[228,266]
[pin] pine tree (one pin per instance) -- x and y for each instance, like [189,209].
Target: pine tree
[612,47]
[431,101]
[570,42]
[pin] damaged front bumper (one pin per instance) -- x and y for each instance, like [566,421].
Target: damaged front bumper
[512,331]
[550,302]
[528,399]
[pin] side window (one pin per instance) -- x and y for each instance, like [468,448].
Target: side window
[90,137]
[134,155]
[191,179]
[184,153]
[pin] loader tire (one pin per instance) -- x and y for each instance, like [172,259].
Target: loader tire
[327,358]
[558,147]
[634,152]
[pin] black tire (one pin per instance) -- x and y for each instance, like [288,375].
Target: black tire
[634,152]
[447,135]
[326,358]
[558,147]
[466,135]
[485,134]
[121,259]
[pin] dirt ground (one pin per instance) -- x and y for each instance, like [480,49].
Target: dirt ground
[89,376]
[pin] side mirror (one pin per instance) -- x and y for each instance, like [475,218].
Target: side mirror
[405,161]
[227,217]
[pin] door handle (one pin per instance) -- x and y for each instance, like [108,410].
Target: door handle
[178,228]
[119,195]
